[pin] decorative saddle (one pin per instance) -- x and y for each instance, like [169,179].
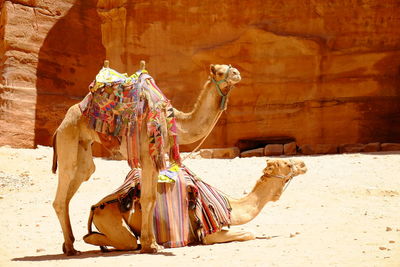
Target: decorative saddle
[184,205]
[119,105]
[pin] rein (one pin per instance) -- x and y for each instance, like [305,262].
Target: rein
[205,137]
[287,184]
[222,107]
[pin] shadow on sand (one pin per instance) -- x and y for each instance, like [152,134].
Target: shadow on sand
[87,254]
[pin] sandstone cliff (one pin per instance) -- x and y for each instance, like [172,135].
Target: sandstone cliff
[318,72]
[50,51]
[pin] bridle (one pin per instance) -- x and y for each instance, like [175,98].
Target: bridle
[217,85]
[222,106]
[289,176]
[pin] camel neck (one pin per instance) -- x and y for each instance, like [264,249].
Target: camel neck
[248,207]
[194,125]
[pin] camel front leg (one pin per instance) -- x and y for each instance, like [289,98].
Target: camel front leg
[230,235]
[61,207]
[148,196]
[75,166]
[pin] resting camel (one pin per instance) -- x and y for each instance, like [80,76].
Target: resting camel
[117,227]
[73,154]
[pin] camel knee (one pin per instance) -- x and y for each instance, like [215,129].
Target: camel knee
[151,198]
[243,235]
[228,236]
[148,203]
[248,236]
[59,207]
[148,195]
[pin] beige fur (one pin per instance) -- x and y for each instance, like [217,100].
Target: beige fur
[118,229]
[73,153]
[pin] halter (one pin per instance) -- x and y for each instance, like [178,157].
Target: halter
[217,84]
[289,176]
[222,107]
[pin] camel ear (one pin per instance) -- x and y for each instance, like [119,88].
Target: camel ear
[268,170]
[213,71]
[270,167]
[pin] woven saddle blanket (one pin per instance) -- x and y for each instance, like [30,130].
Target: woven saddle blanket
[119,105]
[175,200]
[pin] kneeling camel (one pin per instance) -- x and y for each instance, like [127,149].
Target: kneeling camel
[118,228]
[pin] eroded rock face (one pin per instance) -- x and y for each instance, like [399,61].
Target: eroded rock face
[50,51]
[320,72]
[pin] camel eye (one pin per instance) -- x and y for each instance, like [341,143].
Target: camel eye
[287,164]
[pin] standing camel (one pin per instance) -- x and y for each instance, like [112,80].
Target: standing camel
[118,226]
[73,154]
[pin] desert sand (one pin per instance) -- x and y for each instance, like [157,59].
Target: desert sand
[345,211]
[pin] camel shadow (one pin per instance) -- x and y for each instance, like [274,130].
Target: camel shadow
[88,254]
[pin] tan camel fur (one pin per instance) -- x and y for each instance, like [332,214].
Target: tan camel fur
[73,153]
[117,228]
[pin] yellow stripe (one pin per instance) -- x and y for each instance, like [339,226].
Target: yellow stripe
[109,75]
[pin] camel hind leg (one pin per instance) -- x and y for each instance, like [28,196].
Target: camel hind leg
[125,241]
[75,166]
[230,235]
[114,230]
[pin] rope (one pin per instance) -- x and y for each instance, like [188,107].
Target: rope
[287,184]
[223,107]
[205,137]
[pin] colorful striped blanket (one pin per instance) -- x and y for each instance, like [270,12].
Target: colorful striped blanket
[211,207]
[118,105]
[188,194]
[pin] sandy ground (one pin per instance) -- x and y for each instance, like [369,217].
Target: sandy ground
[345,211]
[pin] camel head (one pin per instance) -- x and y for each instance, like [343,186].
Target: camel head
[224,75]
[279,172]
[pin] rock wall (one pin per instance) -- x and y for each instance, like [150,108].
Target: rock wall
[50,51]
[320,72]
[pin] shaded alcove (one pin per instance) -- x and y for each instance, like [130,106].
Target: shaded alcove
[69,58]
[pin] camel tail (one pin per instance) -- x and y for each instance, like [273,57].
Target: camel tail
[54,167]
[90,221]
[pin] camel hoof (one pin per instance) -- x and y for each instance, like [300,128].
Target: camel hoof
[153,248]
[104,249]
[70,251]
